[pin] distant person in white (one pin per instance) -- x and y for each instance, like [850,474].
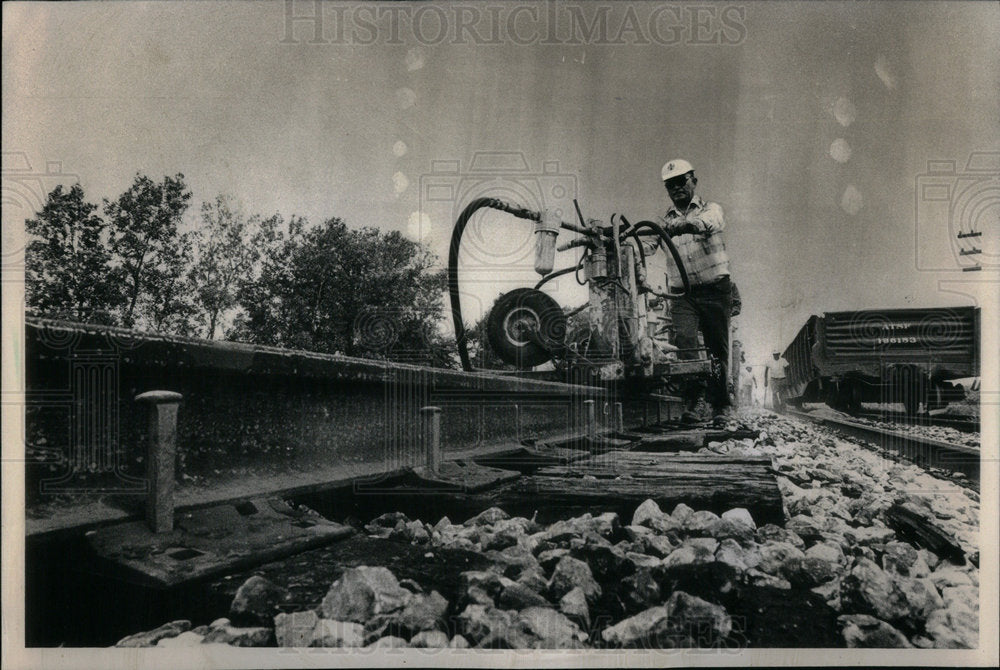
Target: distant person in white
[748,383]
[776,376]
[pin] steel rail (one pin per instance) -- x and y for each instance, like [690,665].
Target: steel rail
[943,421]
[923,451]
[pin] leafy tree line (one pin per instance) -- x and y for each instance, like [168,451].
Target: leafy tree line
[264,280]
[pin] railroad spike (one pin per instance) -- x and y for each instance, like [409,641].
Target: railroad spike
[161,452]
[430,419]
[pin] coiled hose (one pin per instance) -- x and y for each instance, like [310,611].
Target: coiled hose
[559,273]
[456,244]
[656,228]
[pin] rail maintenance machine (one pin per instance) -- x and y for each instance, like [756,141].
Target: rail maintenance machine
[621,344]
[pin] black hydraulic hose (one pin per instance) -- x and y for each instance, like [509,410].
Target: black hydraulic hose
[638,242]
[559,273]
[656,228]
[576,272]
[456,244]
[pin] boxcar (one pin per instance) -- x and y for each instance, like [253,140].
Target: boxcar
[902,356]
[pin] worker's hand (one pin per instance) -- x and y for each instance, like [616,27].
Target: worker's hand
[667,348]
[684,227]
[696,227]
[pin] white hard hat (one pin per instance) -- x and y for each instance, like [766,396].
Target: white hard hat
[675,168]
[775,352]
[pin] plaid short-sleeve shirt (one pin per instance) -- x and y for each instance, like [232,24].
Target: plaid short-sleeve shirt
[703,253]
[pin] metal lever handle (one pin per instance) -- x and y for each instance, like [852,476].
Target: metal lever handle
[578,242]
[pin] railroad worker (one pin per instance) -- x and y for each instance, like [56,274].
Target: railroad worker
[748,384]
[697,230]
[776,374]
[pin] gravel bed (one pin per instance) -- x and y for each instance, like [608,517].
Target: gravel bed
[841,571]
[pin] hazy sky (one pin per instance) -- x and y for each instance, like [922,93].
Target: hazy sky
[811,123]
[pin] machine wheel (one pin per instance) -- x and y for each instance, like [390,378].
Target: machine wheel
[525,327]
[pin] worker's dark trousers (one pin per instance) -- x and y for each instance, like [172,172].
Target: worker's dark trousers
[707,308]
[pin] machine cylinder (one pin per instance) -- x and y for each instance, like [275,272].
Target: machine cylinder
[546,231]
[597,264]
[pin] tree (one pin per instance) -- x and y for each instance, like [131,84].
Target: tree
[151,252]
[262,296]
[480,351]
[67,266]
[360,292]
[228,249]
[395,286]
[167,305]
